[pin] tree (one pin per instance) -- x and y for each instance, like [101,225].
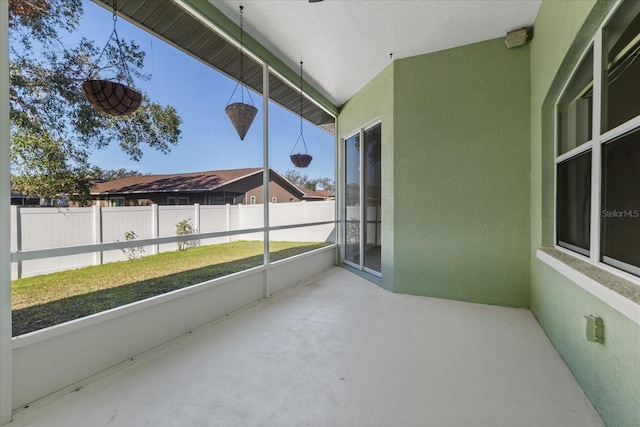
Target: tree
[53,128]
[296,177]
[303,180]
[328,184]
[98,174]
[310,185]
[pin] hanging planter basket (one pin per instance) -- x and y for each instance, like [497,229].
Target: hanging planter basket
[115,98]
[241,116]
[301,160]
[112,98]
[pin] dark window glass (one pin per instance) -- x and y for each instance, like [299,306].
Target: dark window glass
[575,108]
[620,226]
[574,203]
[621,90]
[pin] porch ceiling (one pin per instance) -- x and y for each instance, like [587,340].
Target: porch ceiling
[343,43]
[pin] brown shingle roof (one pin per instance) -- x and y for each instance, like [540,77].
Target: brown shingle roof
[324,194]
[193,181]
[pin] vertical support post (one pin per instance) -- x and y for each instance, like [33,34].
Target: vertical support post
[339,204]
[97,232]
[6,369]
[363,200]
[155,228]
[16,237]
[265,173]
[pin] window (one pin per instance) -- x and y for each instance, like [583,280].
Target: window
[574,203]
[575,108]
[114,202]
[177,200]
[231,238]
[598,148]
[620,202]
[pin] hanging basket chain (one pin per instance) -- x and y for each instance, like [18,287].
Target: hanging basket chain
[115,98]
[301,105]
[242,44]
[301,137]
[123,71]
[241,81]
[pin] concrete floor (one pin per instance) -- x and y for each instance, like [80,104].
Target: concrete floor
[340,351]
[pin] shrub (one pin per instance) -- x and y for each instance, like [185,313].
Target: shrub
[186,228]
[133,252]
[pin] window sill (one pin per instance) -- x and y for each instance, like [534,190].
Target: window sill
[619,293]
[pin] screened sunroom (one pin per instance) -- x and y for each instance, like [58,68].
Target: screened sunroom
[478,266]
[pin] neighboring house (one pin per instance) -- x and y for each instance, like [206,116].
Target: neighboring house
[313,195]
[20,199]
[233,186]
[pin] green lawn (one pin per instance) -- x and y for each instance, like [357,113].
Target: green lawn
[42,301]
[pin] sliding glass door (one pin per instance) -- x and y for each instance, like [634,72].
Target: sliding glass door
[363,202]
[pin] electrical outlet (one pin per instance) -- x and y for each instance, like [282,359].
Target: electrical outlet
[595,329]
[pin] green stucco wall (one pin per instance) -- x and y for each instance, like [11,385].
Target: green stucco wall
[468,190]
[375,103]
[609,374]
[461,174]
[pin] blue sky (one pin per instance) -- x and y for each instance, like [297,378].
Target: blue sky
[200,94]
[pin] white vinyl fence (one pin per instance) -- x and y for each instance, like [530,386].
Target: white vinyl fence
[48,228]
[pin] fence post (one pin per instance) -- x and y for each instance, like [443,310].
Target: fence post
[306,219]
[228,226]
[196,217]
[155,228]
[16,238]
[97,233]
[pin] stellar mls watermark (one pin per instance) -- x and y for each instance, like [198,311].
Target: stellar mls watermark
[631,213]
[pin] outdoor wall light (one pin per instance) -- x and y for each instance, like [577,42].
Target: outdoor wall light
[517,37]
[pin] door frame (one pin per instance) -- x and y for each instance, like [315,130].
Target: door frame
[362,211]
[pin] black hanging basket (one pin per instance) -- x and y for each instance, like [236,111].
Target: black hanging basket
[301,160]
[112,98]
[241,116]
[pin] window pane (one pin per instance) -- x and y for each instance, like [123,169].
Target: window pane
[621,202]
[51,290]
[373,212]
[575,108]
[299,195]
[574,203]
[621,90]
